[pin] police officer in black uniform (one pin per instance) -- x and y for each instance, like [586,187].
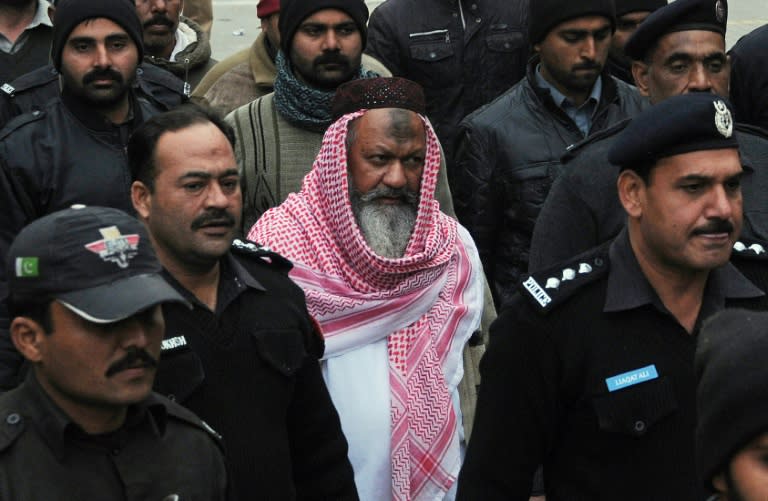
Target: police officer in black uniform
[583,210]
[590,370]
[246,357]
[86,293]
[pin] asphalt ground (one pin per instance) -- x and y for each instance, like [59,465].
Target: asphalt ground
[235,24]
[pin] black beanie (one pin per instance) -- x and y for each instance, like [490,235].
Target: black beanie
[293,12]
[70,13]
[627,6]
[546,14]
[732,393]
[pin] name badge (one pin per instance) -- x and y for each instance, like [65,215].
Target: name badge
[173,343]
[631,378]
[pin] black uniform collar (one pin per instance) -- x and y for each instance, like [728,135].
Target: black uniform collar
[723,283]
[95,121]
[234,279]
[56,428]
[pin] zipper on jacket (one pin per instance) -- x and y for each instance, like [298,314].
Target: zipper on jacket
[187,87]
[431,33]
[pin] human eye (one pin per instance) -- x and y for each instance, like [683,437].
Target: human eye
[230,184]
[347,29]
[193,186]
[81,46]
[692,187]
[602,34]
[571,37]
[311,30]
[733,184]
[715,65]
[678,67]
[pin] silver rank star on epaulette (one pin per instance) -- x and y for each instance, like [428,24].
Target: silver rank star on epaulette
[753,250]
[560,281]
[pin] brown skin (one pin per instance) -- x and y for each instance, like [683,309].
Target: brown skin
[327,49]
[573,55]
[269,27]
[626,26]
[683,62]
[72,363]
[15,16]
[159,19]
[194,210]
[683,223]
[101,49]
[389,150]
[749,473]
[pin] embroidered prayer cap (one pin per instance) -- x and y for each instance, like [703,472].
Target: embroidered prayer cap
[381,92]
[680,124]
[267,7]
[680,15]
[627,6]
[732,391]
[96,261]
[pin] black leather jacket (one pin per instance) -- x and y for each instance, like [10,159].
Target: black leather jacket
[33,90]
[508,158]
[460,69]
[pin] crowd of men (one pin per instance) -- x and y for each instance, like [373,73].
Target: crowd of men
[277,276]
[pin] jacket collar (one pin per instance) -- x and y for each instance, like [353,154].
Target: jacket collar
[261,60]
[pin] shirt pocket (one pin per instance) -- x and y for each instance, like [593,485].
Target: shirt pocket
[635,410]
[505,42]
[432,59]
[179,374]
[281,349]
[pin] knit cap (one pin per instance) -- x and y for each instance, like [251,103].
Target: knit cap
[294,12]
[546,14]
[70,13]
[627,6]
[732,393]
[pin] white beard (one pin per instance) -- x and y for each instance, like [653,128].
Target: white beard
[386,228]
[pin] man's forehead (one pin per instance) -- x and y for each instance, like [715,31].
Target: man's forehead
[691,42]
[328,16]
[724,163]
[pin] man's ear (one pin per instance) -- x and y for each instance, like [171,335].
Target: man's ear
[631,188]
[28,336]
[718,481]
[640,74]
[141,198]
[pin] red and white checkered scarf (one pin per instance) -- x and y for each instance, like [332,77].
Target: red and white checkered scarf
[417,302]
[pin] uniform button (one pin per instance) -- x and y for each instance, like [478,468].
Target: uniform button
[35,113]
[506,45]
[432,55]
[13,419]
[599,261]
[639,426]
[455,14]
[478,20]
[473,6]
[171,397]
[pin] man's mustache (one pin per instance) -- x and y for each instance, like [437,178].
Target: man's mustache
[158,19]
[716,226]
[404,194]
[216,217]
[129,361]
[102,74]
[332,58]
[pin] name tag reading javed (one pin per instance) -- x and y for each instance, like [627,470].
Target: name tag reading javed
[631,378]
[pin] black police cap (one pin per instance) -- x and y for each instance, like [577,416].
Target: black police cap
[680,15]
[680,124]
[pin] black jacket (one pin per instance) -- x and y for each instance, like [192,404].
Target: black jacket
[251,370]
[550,394]
[583,208]
[53,158]
[44,455]
[460,69]
[506,162]
[749,78]
[33,90]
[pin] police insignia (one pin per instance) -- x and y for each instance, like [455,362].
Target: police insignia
[537,292]
[721,11]
[723,119]
[8,89]
[115,247]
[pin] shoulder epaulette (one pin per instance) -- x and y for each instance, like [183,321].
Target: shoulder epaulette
[573,150]
[35,78]
[183,414]
[11,427]
[261,253]
[20,121]
[752,249]
[547,288]
[8,89]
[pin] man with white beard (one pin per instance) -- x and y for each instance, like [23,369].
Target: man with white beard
[396,286]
